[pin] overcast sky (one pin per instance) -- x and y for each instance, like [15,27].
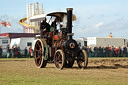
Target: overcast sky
[95,18]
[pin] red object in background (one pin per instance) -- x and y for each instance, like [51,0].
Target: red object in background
[56,37]
[3,23]
[109,48]
[110,33]
[6,24]
[116,50]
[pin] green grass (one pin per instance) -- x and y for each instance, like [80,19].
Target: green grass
[60,80]
[23,72]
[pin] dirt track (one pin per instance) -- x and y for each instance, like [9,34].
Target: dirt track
[95,63]
[108,63]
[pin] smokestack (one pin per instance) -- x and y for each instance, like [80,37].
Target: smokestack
[69,22]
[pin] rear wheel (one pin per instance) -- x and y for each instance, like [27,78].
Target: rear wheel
[59,59]
[82,59]
[39,54]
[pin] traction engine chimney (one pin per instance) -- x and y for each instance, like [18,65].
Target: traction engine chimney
[69,22]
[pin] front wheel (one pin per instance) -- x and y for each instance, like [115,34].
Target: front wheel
[59,59]
[82,59]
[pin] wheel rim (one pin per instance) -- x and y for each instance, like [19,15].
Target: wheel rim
[82,60]
[38,53]
[59,59]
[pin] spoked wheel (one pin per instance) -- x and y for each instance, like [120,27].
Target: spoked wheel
[39,54]
[69,62]
[59,59]
[82,59]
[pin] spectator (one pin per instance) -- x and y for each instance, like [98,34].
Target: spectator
[1,51]
[16,50]
[104,53]
[120,52]
[30,52]
[100,51]
[19,56]
[25,52]
[12,52]
[8,51]
[107,51]
[96,51]
[90,52]
[124,51]
[112,51]
[116,51]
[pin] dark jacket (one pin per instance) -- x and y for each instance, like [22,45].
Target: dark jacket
[45,25]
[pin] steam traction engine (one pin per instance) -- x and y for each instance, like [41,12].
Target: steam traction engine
[60,47]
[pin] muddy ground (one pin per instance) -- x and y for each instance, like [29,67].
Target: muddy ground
[104,63]
[108,63]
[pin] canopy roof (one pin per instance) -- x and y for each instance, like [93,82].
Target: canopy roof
[60,15]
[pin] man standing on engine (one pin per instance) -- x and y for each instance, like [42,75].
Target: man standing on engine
[44,27]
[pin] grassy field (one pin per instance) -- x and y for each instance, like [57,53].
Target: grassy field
[100,71]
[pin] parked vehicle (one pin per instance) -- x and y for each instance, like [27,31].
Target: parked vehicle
[4,41]
[23,42]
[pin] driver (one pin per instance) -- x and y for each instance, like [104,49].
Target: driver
[44,27]
[54,24]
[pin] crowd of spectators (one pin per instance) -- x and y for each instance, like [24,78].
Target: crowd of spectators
[106,51]
[15,52]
